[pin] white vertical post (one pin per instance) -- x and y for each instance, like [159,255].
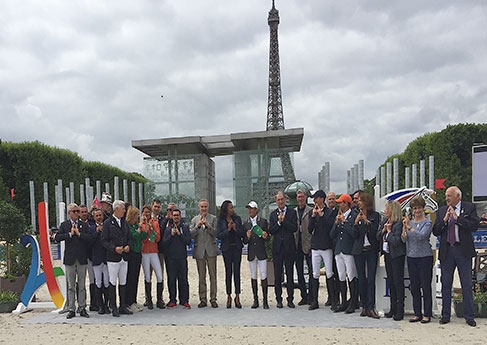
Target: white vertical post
[32,205]
[431,170]
[415,175]
[141,196]
[71,192]
[389,177]
[82,200]
[98,189]
[46,192]
[133,192]
[422,173]
[125,190]
[382,181]
[361,174]
[116,188]
[395,163]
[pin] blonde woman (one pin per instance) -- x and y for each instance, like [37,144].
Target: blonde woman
[135,257]
[394,250]
[150,256]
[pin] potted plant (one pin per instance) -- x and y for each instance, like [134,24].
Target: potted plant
[12,226]
[8,301]
[480,299]
[458,304]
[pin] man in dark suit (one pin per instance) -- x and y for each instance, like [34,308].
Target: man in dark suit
[321,219]
[176,238]
[455,223]
[283,225]
[117,241]
[78,239]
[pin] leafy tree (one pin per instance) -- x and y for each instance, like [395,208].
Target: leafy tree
[34,161]
[452,149]
[4,191]
[12,225]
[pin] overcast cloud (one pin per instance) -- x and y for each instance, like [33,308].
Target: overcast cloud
[363,78]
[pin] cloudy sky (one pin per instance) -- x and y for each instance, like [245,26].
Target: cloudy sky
[363,78]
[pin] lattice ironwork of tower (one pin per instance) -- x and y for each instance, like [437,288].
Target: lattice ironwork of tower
[275,117]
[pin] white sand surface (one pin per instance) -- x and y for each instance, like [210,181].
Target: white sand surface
[16,330]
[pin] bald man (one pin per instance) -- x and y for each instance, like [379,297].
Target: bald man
[455,223]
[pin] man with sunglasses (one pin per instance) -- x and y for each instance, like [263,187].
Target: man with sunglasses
[78,239]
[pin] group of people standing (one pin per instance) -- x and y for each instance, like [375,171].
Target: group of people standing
[348,239]
[112,245]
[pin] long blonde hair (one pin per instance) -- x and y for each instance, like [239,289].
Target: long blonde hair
[395,211]
[132,215]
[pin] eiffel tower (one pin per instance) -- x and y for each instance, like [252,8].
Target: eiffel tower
[275,117]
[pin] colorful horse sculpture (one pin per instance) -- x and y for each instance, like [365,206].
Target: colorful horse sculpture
[404,196]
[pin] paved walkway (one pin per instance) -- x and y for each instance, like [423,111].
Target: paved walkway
[299,317]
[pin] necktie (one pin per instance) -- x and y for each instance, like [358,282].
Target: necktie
[451,231]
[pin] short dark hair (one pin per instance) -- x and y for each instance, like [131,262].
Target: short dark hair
[156,201]
[417,201]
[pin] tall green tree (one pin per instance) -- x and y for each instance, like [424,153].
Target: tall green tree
[452,149]
[12,225]
[34,161]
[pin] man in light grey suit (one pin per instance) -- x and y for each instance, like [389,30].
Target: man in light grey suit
[205,251]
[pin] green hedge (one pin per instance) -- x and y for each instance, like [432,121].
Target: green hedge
[452,149]
[35,161]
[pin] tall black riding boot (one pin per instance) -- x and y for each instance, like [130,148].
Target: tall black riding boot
[330,297]
[332,290]
[315,285]
[265,289]
[99,300]
[255,293]
[113,300]
[353,296]
[122,290]
[160,302]
[94,305]
[106,298]
[343,294]
[148,295]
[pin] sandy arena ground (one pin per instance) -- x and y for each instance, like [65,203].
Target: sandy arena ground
[16,329]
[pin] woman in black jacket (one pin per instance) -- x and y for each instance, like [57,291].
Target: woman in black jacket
[366,253]
[230,232]
[394,250]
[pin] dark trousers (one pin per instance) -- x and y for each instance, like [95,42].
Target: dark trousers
[133,273]
[395,278]
[232,259]
[456,259]
[366,264]
[287,259]
[300,257]
[177,271]
[420,275]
